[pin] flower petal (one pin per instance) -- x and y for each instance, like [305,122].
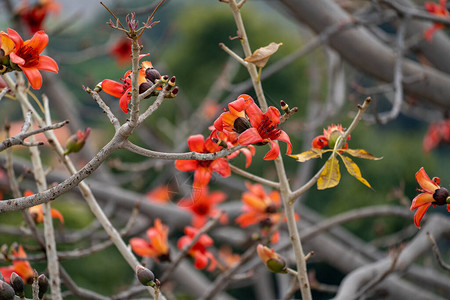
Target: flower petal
[274,115]
[186,165]
[425,182]
[34,77]
[113,88]
[16,59]
[125,100]
[47,64]
[420,212]
[141,247]
[202,176]
[254,114]
[17,39]
[422,199]
[221,166]
[38,42]
[250,136]
[274,151]
[285,138]
[196,143]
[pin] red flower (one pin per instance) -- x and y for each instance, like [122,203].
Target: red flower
[21,267]
[157,247]
[437,133]
[329,137]
[26,55]
[37,212]
[431,193]
[261,208]
[203,168]
[34,15]
[254,127]
[202,206]
[161,194]
[123,90]
[121,50]
[202,257]
[439,10]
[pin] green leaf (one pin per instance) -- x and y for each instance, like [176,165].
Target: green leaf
[361,153]
[330,175]
[353,169]
[307,155]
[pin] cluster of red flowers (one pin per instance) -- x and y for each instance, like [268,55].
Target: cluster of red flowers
[17,55]
[242,124]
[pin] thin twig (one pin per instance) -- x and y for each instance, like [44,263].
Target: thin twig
[254,177]
[437,254]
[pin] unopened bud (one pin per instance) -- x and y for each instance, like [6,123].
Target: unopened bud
[6,291]
[98,87]
[43,285]
[144,86]
[172,81]
[285,107]
[17,284]
[164,78]
[219,142]
[152,74]
[145,276]
[175,90]
[276,265]
[76,142]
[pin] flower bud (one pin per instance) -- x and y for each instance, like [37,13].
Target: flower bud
[145,276]
[43,285]
[6,291]
[152,74]
[76,142]
[241,124]
[17,284]
[144,87]
[271,259]
[285,107]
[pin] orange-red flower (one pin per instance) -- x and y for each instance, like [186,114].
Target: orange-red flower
[35,15]
[22,267]
[271,259]
[203,168]
[329,137]
[37,212]
[437,133]
[261,208]
[121,50]
[123,90]
[157,247]
[431,193]
[439,10]
[26,56]
[254,127]
[202,205]
[160,194]
[202,257]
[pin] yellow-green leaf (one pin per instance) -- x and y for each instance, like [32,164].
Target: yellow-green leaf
[361,153]
[353,169]
[330,175]
[307,155]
